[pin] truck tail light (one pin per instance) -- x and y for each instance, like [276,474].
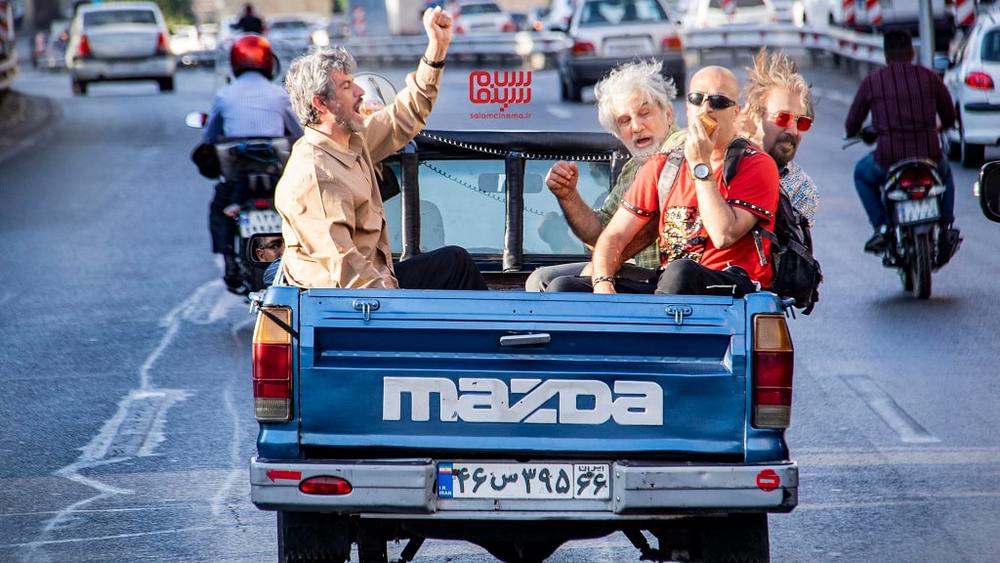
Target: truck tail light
[83,49]
[272,367]
[325,485]
[582,48]
[773,361]
[161,44]
[671,42]
[979,81]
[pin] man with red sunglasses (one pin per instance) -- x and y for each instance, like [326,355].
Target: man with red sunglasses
[779,110]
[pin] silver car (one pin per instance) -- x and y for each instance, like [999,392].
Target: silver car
[119,41]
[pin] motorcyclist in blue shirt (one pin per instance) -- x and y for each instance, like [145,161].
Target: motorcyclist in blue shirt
[250,106]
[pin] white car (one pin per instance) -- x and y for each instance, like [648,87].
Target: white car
[712,13]
[482,16]
[184,39]
[972,80]
[292,30]
[119,41]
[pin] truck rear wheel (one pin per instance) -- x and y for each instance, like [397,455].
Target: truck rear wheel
[317,538]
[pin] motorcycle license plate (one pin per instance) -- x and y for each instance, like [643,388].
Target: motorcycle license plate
[917,211]
[524,480]
[259,221]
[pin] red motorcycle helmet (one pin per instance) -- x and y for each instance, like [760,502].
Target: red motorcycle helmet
[252,52]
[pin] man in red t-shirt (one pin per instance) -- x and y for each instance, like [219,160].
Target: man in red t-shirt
[706,236]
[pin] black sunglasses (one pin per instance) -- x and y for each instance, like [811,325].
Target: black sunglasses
[715,101]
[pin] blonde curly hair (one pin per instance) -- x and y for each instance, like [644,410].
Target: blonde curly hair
[770,71]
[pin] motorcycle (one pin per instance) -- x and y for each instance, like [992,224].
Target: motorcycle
[912,196]
[252,166]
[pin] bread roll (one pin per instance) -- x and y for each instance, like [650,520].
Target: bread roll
[709,123]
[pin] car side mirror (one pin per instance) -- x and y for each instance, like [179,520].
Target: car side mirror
[988,188]
[196,119]
[264,248]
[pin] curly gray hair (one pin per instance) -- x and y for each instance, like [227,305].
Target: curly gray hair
[309,75]
[641,78]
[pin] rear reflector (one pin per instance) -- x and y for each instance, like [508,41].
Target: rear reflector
[671,42]
[83,50]
[324,485]
[773,363]
[162,44]
[272,367]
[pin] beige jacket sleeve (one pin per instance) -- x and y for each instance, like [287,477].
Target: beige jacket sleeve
[390,128]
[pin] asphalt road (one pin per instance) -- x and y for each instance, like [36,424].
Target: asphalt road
[127,420]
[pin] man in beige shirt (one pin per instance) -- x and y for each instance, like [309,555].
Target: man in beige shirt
[333,221]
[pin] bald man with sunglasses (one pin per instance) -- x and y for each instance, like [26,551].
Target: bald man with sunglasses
[705,223]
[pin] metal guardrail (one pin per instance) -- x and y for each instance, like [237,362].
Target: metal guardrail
[8,70]
[503,45]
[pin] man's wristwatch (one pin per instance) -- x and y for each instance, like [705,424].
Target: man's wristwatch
[432,64]
[701,171]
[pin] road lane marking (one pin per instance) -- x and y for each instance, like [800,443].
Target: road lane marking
[561,113]
[913,456]
[113,537]
[137,426]
[894,416]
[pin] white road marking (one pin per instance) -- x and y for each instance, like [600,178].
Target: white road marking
[234,453]
[561,113]
[812,458]
[900,421]
[137,426]
[114,537]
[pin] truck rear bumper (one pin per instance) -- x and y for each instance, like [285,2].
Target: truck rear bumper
[406,488]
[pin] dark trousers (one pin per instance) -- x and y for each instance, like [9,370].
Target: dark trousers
[449,267]
[868,180]
[680,277]
[540,279]
[221,226]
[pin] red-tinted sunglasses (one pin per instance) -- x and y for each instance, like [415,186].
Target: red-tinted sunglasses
[785,118]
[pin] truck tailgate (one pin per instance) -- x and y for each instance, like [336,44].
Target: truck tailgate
[504,372]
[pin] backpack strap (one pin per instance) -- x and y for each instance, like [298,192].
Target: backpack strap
[737,149]
[675,159]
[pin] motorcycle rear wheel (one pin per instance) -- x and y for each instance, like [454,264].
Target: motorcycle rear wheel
[921,266]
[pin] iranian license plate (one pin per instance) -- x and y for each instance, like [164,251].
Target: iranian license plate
[917,211]
[259,221]
[524,480]
[627,48]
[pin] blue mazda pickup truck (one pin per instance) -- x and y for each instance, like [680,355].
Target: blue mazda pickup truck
[517,421]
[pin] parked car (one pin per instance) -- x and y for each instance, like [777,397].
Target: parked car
[482,16]
[606,33]
[294,30]
[119,41]
[972,79]
[712,13]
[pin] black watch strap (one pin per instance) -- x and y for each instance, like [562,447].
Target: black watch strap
[432,64]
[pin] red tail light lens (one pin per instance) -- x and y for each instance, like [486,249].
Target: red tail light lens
[83,50]
[508,27]
[582,48]
[773,364]
[262,203]
[272,367]
[916,177]
[979,81]
[161,44]
[671,42]
[324,485]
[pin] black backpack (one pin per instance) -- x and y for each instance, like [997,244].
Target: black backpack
[797,275]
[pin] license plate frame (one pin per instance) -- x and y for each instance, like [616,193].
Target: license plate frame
[259,221]
[915,211]
[564,481]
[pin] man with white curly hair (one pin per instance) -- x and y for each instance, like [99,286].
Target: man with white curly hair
[333,221]
[778,112]
[634,105]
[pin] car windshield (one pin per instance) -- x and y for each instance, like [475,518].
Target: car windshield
[463,202]
[118,17]
[991,46]
[289,25]
[613,12]
[477,9]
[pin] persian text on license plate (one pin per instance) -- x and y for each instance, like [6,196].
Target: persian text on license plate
[627,48]
[524,480]
[917,211]
[254,222]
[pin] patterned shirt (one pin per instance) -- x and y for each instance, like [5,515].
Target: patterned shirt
[800,189]
[648,257]
[905,101]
